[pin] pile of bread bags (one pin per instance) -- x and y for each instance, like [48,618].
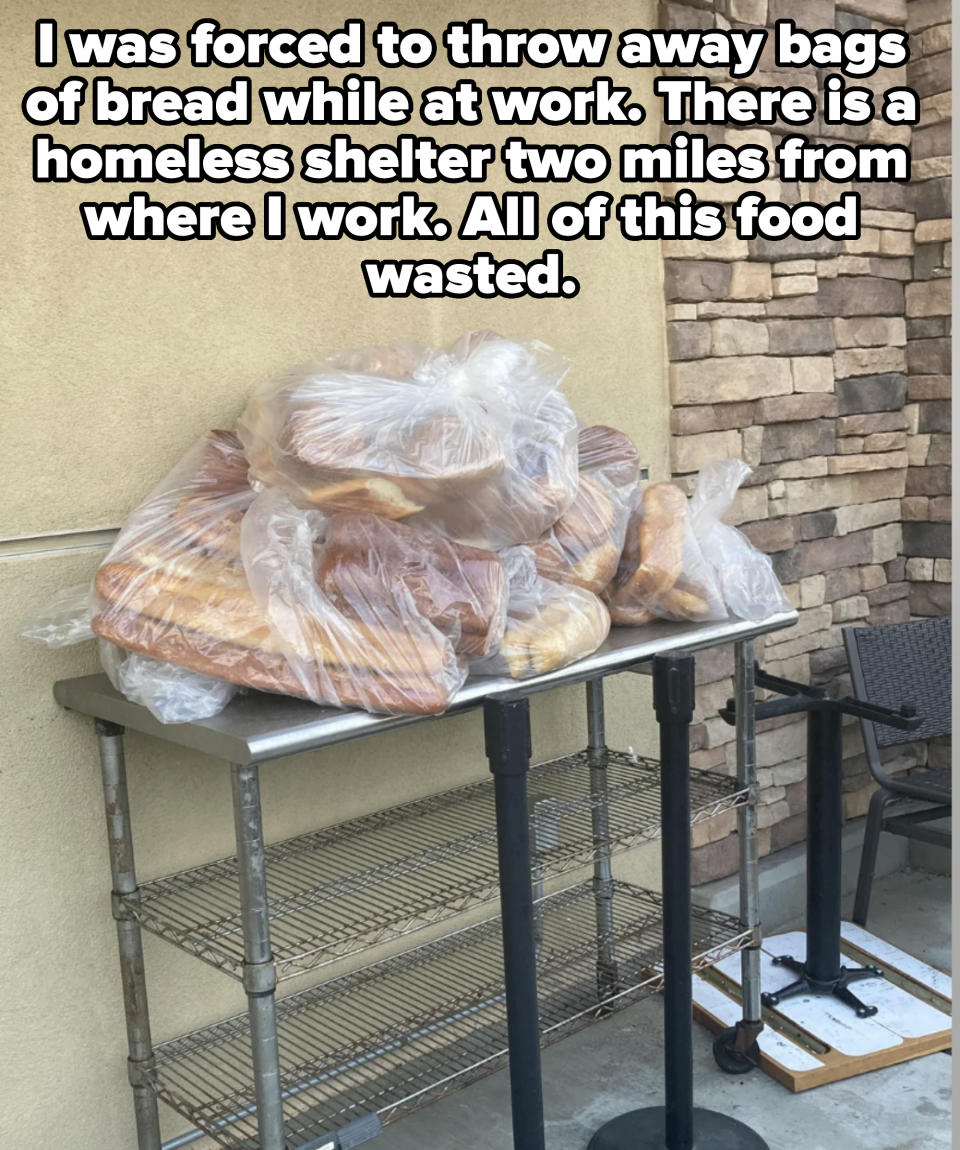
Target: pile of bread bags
[387,523]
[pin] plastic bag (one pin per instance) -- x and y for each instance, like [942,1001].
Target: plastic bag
[549,625]
[475,441]
[745,576]
[584,545]
[368,612]
[681,562]
[65,620]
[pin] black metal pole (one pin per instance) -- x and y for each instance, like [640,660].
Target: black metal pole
[676,1125]
[506,723]
[824,847]
[673,695]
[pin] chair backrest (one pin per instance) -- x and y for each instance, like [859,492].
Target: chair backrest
[902,663]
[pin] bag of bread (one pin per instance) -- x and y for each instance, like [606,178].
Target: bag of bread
[584,545]
[681,562]
[745,577]
[475,441]
[549,625]
[214,579]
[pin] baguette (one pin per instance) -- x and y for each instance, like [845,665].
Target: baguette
[658,536]
[568,625]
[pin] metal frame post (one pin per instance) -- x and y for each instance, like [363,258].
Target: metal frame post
[129,942]
[506,725]
[259,972]
[676,1125]
[746,740]
[825,841]
[607,975]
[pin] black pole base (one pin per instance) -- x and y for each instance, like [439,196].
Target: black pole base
[646,1130]
[838,987]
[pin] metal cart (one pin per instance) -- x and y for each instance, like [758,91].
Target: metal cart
[324,1068]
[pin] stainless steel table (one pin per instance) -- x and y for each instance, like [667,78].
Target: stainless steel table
[258,728]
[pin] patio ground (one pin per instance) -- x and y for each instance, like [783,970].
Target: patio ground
[615,1066]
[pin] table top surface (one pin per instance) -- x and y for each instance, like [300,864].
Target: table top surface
[256,727]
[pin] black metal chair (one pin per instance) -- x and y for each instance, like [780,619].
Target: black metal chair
[890,665]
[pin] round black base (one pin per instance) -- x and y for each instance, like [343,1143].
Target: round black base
[645,1130]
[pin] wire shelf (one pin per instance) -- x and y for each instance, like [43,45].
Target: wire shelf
[340,890]
[404,1031]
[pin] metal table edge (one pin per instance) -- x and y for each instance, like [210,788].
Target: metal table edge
[235,736]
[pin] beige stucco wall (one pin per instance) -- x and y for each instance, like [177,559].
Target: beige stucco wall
[116,356]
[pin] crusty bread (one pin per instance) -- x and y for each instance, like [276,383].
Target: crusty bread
[660,532]
[610,452]
[461,590]
[684,602]
[377,496]
[569,624]
[266,671]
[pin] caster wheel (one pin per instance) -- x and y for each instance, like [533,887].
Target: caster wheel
[730,1060]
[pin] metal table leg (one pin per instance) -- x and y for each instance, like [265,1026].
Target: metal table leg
[735,1049]
[506,724]
[123,872]
[259,972]
[676,1125]
[600,817]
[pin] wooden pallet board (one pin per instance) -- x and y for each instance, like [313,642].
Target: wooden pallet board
[812,1039]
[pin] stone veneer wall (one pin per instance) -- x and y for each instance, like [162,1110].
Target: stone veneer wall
[825,365]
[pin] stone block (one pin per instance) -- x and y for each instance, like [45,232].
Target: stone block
[886,441]
[928,297]
[713,309]
[725,247]
[730,379]
[820,555]
[915,509]
[738,337]
[800,337]
[812,373]
[868,361]
[680,311]
[869,331]
[941,509]
[881,11]
[934,416]
[936,39]
[809,468]
[812,590]
[872,577]
[789,247]
[841,584]
[860,296]
[750,281]
[794,285]
[899,221]
[878,461]
[894,243]
[798,440]
[690,452]
[748,11]
[920,569]
[710,417]
[930,75]
[769,535]
[791,408]
[934,231]
[867,393]
[846,610]
[688,340]
[867,424]
[928,481]
[866,244]
[850,445]
[929,386]
[929,539]
[696,279]
[943,570]
[925,13]
[895,569]
[889,593]
[941,450]
[866,515]
[928,327]
[887,542]
[930,599]
[930,262]
[795,268]
[817,525]
[932,198]
[918,447]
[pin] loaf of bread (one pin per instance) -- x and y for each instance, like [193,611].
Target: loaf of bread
[176,587]
[662,573]
[475,441]
[584,545]
[461,590]
[549,625]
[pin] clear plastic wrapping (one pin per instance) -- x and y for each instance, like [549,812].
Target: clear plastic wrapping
[549,625]
[681,562]
[346,610]
[584,545]
[475,441]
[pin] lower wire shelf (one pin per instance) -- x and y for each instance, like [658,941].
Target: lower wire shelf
[370,1046]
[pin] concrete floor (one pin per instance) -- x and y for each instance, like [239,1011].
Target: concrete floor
[615,1066]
